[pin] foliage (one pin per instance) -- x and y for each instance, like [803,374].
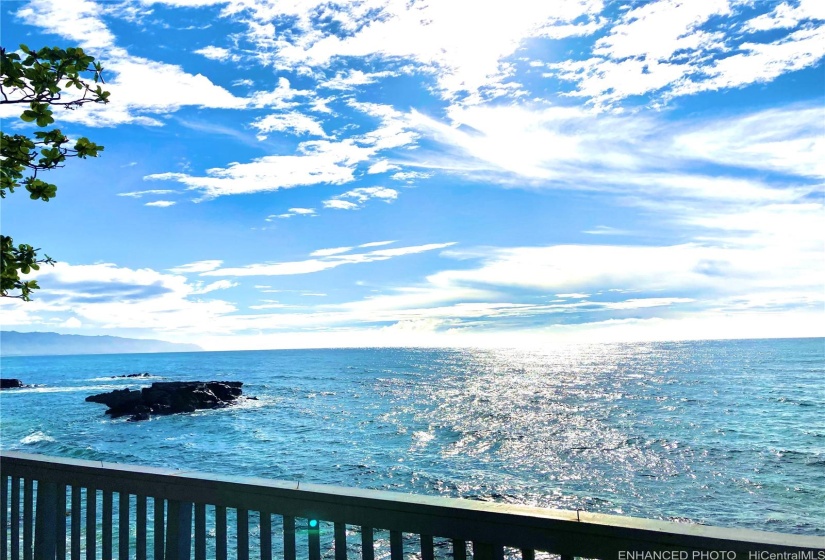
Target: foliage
[40,80]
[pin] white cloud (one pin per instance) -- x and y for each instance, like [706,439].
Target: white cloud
[295,123]
[106,296]
[139,194]
[340,204]
[359,196]
[135,95]
[354,78]
[382,166]
[330,252]
[787,140]
[606,230]
[463,44]
[321,263]
[78,20]
[161,203]
[657,30]
[292,212]
[760,62]
[376,243]
[323,162]
[785,16]
[217,53]
[669,48]
[217,285]
[198,266]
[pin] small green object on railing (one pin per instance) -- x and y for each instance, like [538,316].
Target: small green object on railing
[313,524]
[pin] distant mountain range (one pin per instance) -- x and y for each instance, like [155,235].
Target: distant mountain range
[13,343]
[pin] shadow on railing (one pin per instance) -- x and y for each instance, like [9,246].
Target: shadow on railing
[88,510]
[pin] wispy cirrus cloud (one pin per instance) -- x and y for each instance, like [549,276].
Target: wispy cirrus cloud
[292,212]
[324,261]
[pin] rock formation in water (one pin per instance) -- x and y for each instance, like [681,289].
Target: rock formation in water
[170,397]
[10,383]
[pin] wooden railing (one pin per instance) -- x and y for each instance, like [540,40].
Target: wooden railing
[86,510]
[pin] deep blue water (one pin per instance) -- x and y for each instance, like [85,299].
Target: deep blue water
[728,433]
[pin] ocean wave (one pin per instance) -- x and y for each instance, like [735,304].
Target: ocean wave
[36,437]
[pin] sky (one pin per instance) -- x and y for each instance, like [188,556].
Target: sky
[290,174]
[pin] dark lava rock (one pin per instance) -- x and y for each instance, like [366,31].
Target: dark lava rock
[11,384]
[133,375]
[169,397]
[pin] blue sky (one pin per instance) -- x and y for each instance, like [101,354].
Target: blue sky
[315,174]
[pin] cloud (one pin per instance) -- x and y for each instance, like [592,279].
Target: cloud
[106,296]
[217,285]
[78,20]
[330,252]
[359,196]
[606,230]
[217,53]
[295,123]
[786,16]
[198,266]
[321,263]
[670,48]
[759,62]
[354,78]
[161,203]
[153,192]
[463,46]
[292,212]
[382,166]
[130,79]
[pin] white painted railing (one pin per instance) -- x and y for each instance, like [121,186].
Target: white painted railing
[66,508]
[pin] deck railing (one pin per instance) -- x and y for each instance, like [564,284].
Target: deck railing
[88,510]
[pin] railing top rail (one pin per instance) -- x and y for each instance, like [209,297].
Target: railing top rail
[393,510]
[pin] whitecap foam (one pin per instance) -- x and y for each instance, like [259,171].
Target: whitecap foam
[36,437]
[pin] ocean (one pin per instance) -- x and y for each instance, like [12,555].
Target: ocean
[727,433]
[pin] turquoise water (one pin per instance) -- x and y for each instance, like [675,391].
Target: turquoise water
[723,433]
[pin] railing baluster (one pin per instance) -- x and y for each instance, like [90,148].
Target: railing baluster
[289,537]
[427,552]
[220,533]
[396,546]
[484,551]
[76,522]
[91,523]
[4,520]
[106,518]
[459,550]
[45,531]
[15,518]
[140,527]
[200,531]
[314,540]
[266,535]
[159,533]
[243,534]
[60,521]
[28,504]
[179,530]
[123,526]
[340,541]
[528,554]
[367,544]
